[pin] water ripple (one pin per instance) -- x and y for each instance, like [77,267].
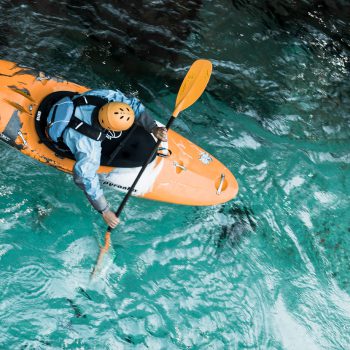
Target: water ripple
[268,270]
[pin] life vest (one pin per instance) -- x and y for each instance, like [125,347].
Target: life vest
[62,116]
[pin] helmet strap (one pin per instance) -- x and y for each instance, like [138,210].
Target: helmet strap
[112,134]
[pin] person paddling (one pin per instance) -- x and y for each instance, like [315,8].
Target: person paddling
[82,123]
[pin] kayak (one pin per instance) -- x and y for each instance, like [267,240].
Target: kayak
[181,172]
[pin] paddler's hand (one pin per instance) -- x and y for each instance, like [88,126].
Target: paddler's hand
[161,133]
[111,219]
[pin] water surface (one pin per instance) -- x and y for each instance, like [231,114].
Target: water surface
[268,270]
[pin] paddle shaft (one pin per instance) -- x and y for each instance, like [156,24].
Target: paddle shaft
[131,189]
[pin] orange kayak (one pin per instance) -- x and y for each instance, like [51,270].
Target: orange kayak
[183,173]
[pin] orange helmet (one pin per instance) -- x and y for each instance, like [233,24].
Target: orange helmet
[116,116]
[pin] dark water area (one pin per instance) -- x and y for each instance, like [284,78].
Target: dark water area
[295,57]
[269,270]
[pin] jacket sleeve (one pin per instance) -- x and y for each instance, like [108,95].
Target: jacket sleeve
[146,121]
[142,118]
[87,153]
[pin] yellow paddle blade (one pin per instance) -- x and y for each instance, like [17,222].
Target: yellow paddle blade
[193,85]
[103,251]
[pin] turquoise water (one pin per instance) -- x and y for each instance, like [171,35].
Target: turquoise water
[268,270]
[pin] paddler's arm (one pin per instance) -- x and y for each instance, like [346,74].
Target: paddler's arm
[87,153]
[149,124]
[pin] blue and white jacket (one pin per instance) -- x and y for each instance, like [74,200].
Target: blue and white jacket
[87,151]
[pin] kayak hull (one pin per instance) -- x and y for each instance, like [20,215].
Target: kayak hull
[189,175]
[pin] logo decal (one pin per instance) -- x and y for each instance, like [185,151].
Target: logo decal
[110,184]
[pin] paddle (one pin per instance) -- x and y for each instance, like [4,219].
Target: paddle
[190,90]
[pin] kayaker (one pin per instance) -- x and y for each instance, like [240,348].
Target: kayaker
[96,112]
